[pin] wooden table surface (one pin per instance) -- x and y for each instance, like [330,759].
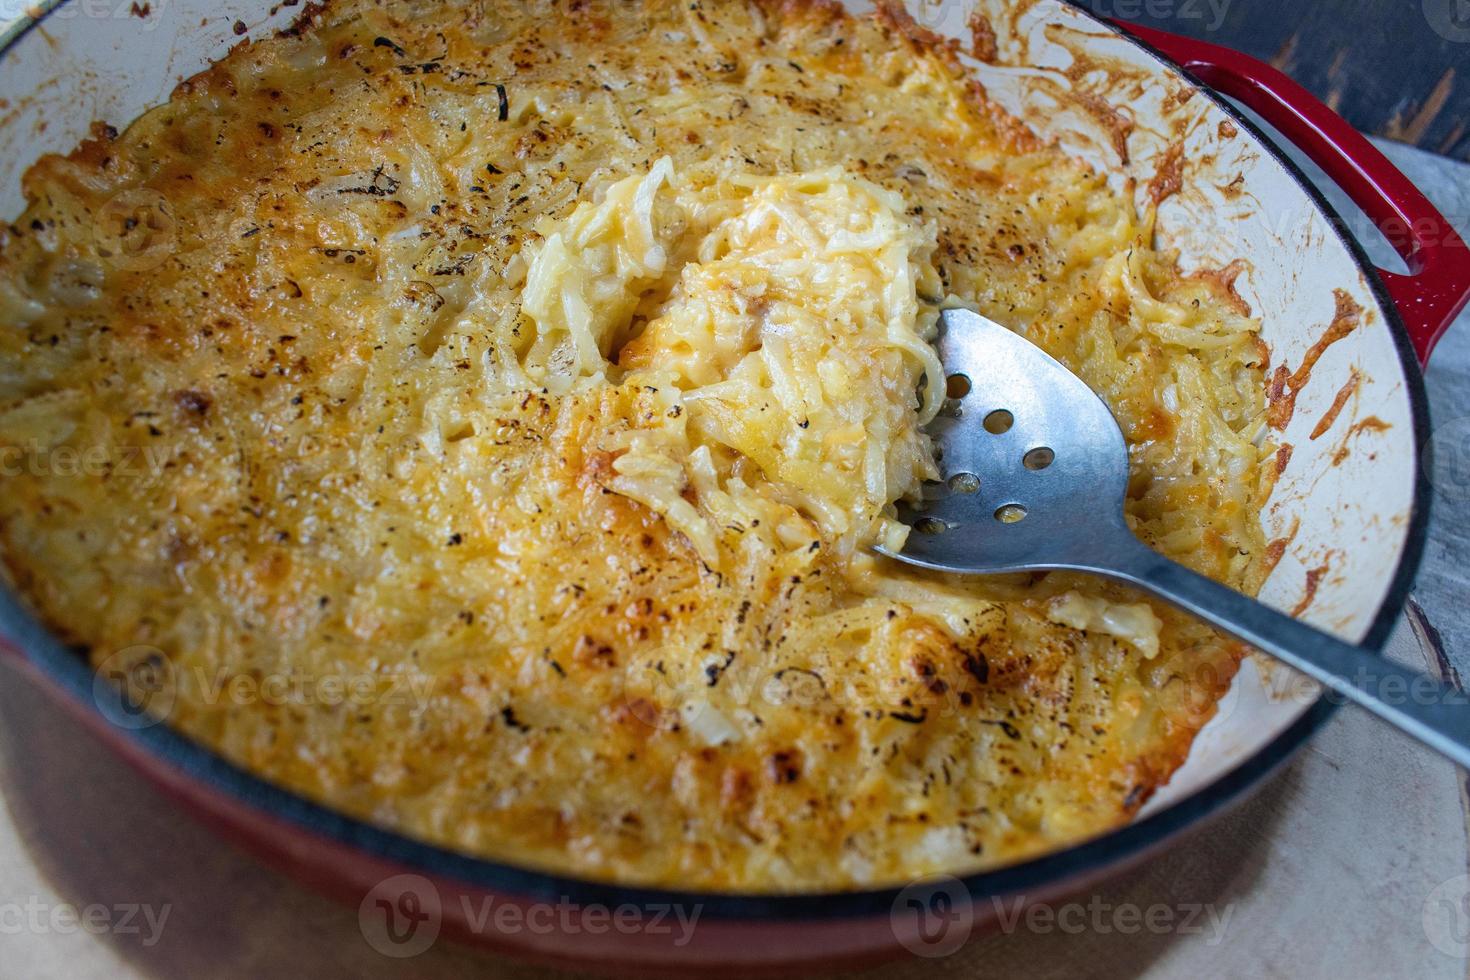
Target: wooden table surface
[1394,68]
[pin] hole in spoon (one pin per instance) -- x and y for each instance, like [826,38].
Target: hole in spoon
[933,490]
[964,483]
[1011,514]
[957,386]
[1039,459]
[930,525]
[999,421]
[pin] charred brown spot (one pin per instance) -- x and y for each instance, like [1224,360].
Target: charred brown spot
[784,766]
[977,667]
[193,402]
[593,651]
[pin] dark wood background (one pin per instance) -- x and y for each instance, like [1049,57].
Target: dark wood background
[1395,68]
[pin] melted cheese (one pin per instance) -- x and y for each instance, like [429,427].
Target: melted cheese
[479,412]
[780,315]
[1133,622]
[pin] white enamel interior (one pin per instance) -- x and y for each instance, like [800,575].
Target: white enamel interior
[96,60]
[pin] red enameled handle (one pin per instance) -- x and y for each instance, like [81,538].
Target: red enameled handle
[1438,284]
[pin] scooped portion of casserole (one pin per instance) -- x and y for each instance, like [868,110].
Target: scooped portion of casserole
[477,417]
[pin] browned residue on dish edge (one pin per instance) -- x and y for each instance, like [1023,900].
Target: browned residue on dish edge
[1370,424]
[1178,98]
[1283,456]
[1276,547]
[1084,91]
[982,37]
[895,16]
[1285,385]
[1119,126]
[1314,578]
[1224,282]
[1272,473]
[1168,178]
[1335,409]
[1234,189]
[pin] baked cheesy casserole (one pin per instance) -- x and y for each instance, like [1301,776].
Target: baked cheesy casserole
[478,417]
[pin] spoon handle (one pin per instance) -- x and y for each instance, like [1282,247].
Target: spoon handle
[1415,703]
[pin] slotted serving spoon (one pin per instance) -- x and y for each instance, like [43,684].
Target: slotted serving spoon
[1036,471]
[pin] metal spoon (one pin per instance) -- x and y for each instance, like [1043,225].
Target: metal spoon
[1036,471]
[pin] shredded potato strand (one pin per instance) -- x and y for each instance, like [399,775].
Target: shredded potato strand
[795,339]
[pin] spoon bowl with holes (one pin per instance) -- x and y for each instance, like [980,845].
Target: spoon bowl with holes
[1035,471]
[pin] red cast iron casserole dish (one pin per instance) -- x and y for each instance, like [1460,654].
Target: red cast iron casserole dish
[71,62]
